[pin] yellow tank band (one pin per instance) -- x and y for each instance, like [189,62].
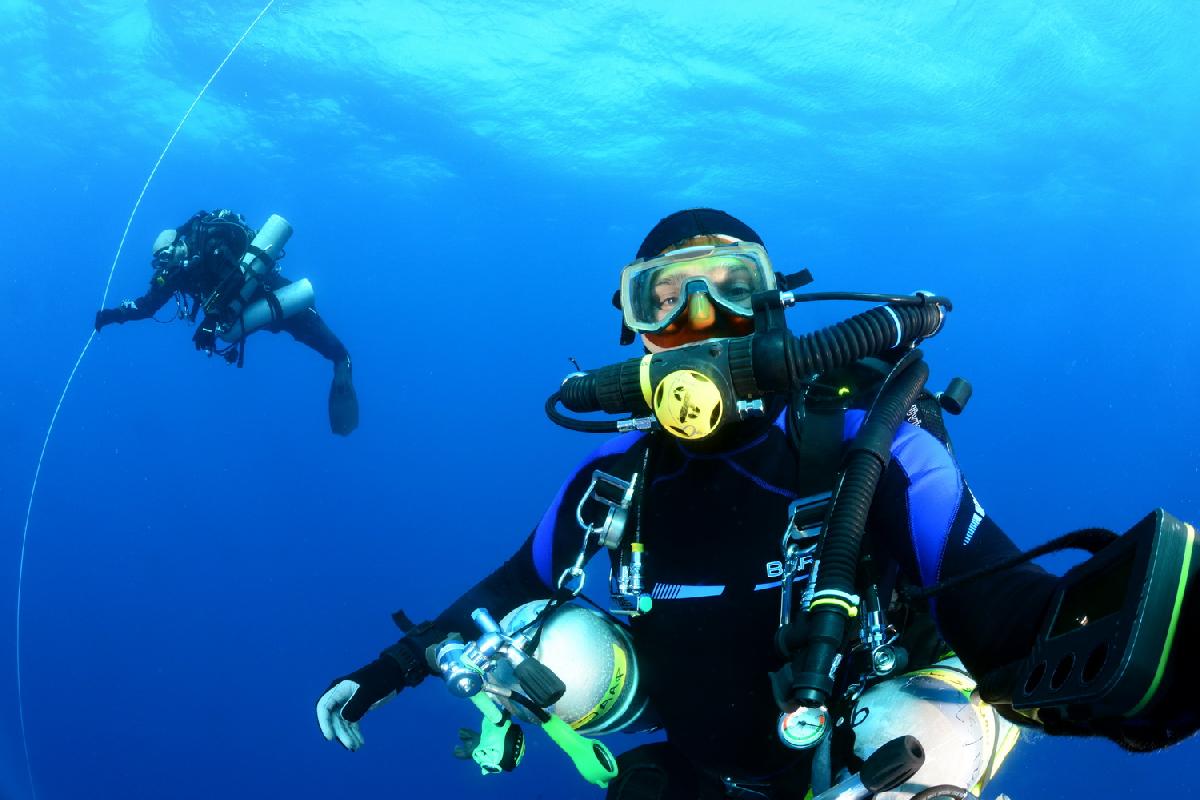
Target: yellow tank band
[644,379]
[851,611]
[994,728]
[957,679]
[637,547]
[615,685]
[1001,751]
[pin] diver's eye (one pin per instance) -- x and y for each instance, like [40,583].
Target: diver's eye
[737,286]
[666,302]
[736,291]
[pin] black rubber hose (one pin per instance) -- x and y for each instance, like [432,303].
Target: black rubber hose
[761,363]
[873,297]
[869,456]
[615,389]
[582,425]
[578,391]
[870,333]
[769,362]
[941,790]
[839,549]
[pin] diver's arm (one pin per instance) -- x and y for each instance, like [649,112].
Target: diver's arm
[141,308]
[993,619]
[938,531]
[997,622]
[406,663]
[529,575]
[935,527]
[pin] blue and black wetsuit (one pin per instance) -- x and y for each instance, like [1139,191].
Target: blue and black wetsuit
[711,526]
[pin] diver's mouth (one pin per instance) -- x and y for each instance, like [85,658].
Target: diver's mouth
[679,334]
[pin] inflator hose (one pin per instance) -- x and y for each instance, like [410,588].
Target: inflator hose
[840,546]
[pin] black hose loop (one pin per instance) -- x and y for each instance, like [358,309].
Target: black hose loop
[582,425]
[944,790]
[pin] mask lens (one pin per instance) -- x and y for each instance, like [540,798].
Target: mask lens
[169,256]
[654,292]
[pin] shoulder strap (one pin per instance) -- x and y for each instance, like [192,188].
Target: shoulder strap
[816,433]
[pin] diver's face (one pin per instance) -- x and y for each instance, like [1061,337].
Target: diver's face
[702,319]
[170,256]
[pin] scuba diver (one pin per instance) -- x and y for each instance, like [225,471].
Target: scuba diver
[218,264]
[792,547]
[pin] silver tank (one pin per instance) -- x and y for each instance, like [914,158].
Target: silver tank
[964,738]
[594,658]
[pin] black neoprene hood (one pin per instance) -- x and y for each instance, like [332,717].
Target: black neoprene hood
[691,222]
[674,228]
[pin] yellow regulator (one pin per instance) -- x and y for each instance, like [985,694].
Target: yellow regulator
[689,396]
[688,404]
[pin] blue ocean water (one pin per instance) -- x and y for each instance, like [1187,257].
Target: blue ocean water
[465,180]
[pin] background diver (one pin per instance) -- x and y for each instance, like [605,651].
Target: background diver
[703,539]
[217,264]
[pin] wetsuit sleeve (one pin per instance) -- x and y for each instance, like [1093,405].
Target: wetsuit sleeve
[936,528]
[143,307]
[515,582]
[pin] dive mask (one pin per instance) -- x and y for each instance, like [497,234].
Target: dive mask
[655,291]
[168,260]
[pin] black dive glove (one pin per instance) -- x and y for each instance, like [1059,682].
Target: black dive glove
[350,697]
[107,316]
[119,315]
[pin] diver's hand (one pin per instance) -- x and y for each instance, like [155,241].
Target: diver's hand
[349,698]
[107,316]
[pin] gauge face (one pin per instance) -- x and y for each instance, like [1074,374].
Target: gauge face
[1095,597]
[804,727]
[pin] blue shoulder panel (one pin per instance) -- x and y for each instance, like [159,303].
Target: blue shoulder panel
[934,494]
[543,535]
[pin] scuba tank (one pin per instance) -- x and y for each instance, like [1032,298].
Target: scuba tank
[260,257]
[504,679]
[965,740]
[274,307]
[595,659]
[228,311]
